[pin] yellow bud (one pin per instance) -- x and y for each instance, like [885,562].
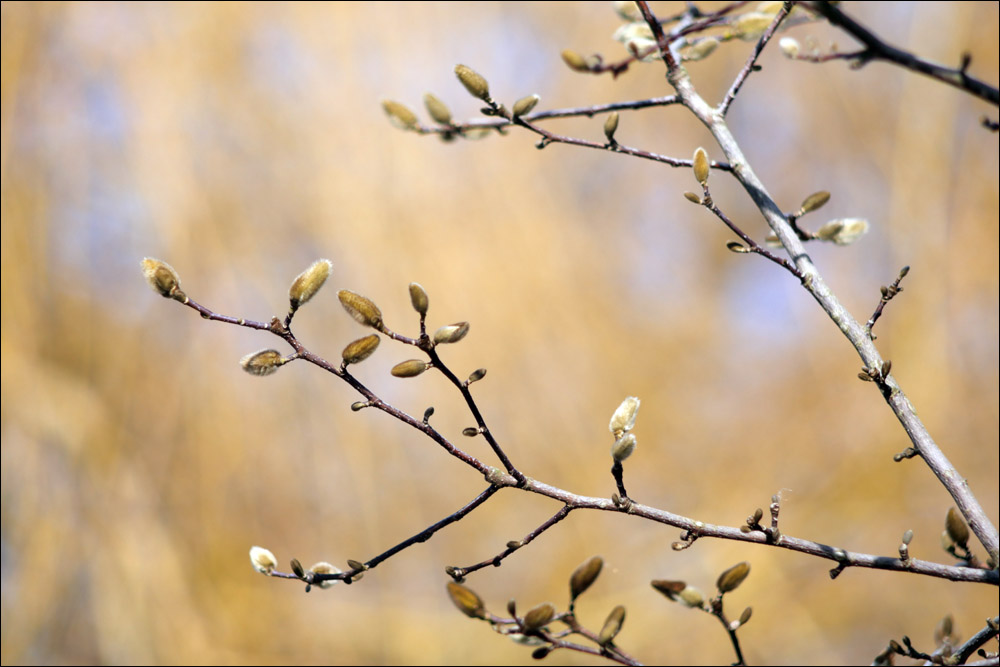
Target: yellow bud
[451,333]
[701,166]
[623,447]
[307,283]
[692,597]
[623,420]
[162,278]
[814,201]
[733,577]
[538,617]
[789,46]
[473,82]
[700,49]
[584,576]
[361,308]
[692,197]
[466,600]
[409,369]
[360,349]
[612,626]
[525,105]
[263,560]
[400,115]
[751,25]
[956,527]
[844,231]
[326,568]
[419,299]
[576,62]
[611,126]
[263,362]
[437,109]
[671,588]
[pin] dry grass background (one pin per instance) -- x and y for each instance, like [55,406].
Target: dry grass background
[240,142]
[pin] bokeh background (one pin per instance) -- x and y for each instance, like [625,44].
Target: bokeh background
[240,142]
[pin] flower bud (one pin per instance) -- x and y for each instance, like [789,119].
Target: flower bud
[476,375]
[611,126]
[733,577]
[525,105]
[584,576]
[162,278]
[701,166]
[751,25]
[262,560]
[843,232]
[466,600]
[814,201]
[671,588]
[623,447]
[538,617]
[692,597]
[700,49]
[262,362]
[307,283]
[451,333]
[576,62]
[419,299]
[789,46]
[409,369]
[623,420]
[360,349]
[437,109]
[325,568]
[612,626]
[400,115]
[473,82]
[956,527]
[361,309]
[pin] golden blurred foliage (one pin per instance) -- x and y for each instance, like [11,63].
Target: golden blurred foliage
[241,142]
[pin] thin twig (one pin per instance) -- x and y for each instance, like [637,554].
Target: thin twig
[813,281]
[877,49]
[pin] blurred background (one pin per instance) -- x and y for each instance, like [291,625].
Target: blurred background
[240,142]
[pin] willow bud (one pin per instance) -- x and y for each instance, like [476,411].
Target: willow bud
[451,333]
[400,115]
[466,600]
[701,166]
[262,560]
[162,278]
[584,576]
[576,62]
[733,577]
[409,369]
[623,420]
[419,299]
[360,349]
[623,447]
[612,626]
[307,283]
[789,46]
[814,201]
[437,109]
[611,126]
[956,527]
[325,568]
[263,362]
[525,105]
[473,82]
[538,617]
[843,232]
[361,309]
